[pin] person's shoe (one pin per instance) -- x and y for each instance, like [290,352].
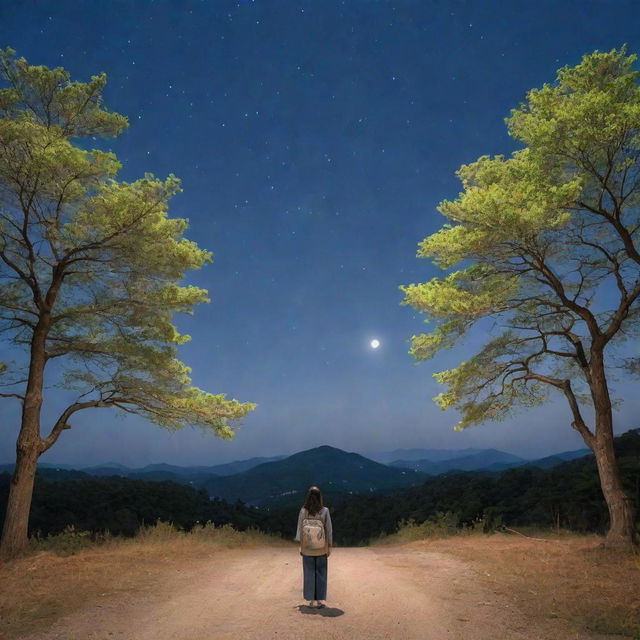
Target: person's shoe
[321,605]
[312,604]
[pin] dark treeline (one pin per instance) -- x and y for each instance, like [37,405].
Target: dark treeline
[566,496]
[121,505]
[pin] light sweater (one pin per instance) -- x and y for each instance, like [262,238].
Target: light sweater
[323,514]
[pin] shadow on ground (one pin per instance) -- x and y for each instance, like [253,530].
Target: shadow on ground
[327,612]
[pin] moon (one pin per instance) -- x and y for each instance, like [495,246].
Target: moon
[375,343]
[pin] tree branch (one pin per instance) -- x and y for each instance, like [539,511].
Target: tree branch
[61,423]
[12,395]
[565,386]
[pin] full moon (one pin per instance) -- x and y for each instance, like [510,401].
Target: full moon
[375,344]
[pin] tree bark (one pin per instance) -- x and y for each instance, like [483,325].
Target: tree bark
[15,539]
[621,511]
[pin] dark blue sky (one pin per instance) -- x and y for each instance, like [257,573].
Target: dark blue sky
[314,140]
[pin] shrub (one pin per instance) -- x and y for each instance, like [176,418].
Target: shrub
[68,541]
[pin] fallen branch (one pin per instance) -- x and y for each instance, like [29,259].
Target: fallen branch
[524,535]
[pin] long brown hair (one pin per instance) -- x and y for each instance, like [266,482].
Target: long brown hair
[313,502]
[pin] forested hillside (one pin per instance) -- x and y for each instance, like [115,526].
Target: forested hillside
[284,483]
[568,496]
[121,505]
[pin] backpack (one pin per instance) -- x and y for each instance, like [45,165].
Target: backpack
[313,541]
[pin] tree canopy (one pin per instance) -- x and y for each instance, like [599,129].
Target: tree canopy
[546,243]
[92,266]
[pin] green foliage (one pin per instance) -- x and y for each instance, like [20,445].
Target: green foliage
[159,532]
[567,497]
[227,536]
[68,542]
[123,506]
[286,481]
[91,263]
[546,246]
[439,525]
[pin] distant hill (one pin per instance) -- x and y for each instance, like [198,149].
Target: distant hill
[163,467]
[558,458]
[286,481]
[435,455]
[192,476]
[442,461]
[481,460]
[267,481]
[226,469]
[107,465]
[163,476]
[107,470]
[164,471]
[230,468]
[158,472]
[488,460]
[566,495]
[8,468]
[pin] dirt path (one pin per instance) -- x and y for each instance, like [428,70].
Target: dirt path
[374,593]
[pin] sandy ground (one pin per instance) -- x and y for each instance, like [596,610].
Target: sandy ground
[374,593]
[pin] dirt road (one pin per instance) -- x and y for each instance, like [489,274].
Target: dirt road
[374,593]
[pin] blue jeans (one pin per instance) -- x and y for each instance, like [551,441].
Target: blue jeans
[315,577]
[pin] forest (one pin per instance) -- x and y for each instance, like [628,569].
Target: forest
[567,496]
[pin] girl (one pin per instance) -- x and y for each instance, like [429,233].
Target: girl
[314,517]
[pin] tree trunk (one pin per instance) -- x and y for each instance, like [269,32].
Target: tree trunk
[620,505]
[15,539]
[621,512]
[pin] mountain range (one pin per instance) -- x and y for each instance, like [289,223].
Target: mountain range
[156,472]
[335,471]
[435,455]
[487,459]
[283,480]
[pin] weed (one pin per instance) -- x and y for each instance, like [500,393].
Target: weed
[68,541]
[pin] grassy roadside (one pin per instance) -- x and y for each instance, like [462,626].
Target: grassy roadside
[66,573]
[564,576]
[561,576]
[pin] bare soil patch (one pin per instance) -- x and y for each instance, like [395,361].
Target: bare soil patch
[41,588]
[570,578]
[460,588]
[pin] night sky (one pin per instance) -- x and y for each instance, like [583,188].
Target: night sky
[314,140]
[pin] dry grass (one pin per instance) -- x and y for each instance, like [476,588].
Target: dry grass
[567,576]
[38,589]
[442,525]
